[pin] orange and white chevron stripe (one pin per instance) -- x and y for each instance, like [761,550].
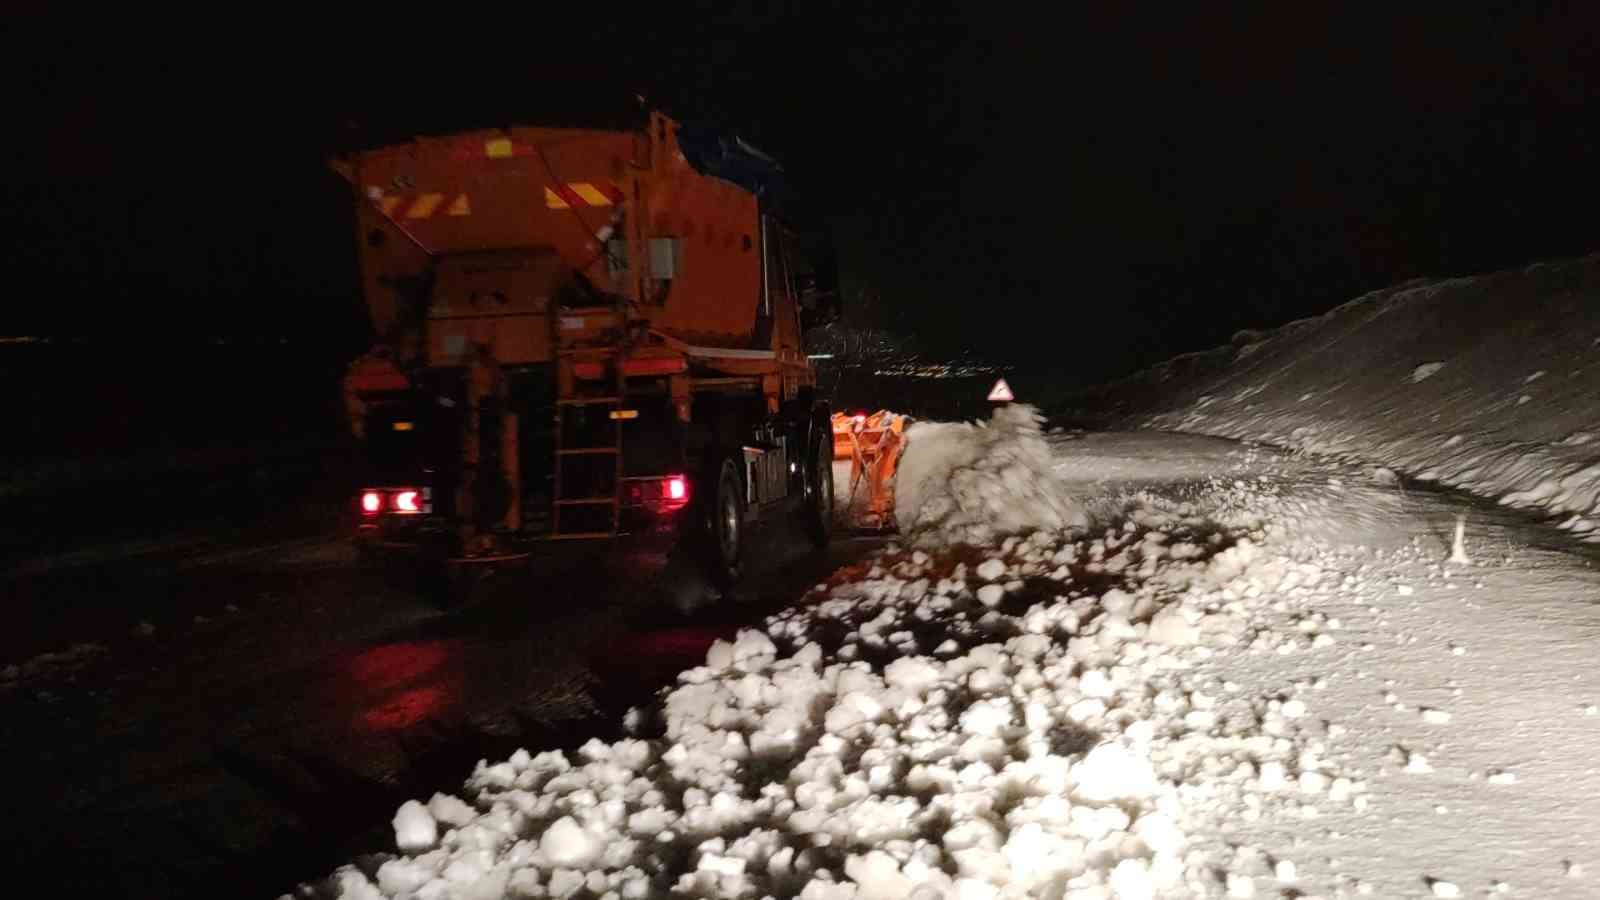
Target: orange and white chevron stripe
[411,207]
[581,193]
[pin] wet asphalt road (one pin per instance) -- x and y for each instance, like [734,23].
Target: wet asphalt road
[254,707]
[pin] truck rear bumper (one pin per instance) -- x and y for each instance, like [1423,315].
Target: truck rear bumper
[658,553]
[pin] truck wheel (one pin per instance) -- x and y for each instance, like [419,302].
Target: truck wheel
[726,527]
[819,490]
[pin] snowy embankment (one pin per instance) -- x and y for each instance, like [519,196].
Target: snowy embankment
[1020,710]
[1490,384]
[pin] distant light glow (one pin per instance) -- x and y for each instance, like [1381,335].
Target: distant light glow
[934,370]
[371,502]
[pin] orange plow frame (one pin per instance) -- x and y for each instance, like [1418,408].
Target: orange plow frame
[873,445]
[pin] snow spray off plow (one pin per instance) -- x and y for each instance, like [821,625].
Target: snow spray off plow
[950,482]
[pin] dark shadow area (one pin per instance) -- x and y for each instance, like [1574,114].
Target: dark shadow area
[268,745]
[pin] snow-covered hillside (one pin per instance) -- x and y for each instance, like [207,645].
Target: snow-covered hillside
[1489,383]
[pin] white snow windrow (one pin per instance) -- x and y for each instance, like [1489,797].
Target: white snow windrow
[912,733]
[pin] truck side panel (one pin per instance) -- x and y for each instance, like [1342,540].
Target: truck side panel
[713,300]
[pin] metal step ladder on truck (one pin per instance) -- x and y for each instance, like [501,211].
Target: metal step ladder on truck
[584,335]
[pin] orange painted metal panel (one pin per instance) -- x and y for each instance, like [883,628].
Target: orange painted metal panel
[591,200]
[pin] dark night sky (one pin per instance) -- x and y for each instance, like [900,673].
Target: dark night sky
[1101,189]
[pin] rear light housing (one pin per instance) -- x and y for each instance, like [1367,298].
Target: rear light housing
[400,501]
[657,492]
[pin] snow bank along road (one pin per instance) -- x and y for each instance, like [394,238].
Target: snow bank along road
[1217,671]
[1489,383]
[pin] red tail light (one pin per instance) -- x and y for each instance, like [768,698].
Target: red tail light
[663,492]
[404,501]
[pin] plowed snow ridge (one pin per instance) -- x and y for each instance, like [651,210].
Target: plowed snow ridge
[1490,384]
[1027,716]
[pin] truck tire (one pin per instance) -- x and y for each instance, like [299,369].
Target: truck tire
[725,527]
[819,486]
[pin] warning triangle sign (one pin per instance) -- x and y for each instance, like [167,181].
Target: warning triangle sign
[1001,392]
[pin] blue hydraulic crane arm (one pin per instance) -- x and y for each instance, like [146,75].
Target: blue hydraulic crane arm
[731,159]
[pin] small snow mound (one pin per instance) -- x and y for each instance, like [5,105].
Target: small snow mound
[1425,371]
[990,595]
[450,810]
[992,569]
[566,844]
[414,827]
[1111,773]
[964,483]
[1130,880]
[353,885]
[748,648]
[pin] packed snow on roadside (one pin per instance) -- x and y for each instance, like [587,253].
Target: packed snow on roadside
[1489,384]
[969,715]
[57,663]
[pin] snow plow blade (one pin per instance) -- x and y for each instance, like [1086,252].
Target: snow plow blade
[872,444]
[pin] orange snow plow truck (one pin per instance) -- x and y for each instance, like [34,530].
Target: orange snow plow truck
[584,335]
